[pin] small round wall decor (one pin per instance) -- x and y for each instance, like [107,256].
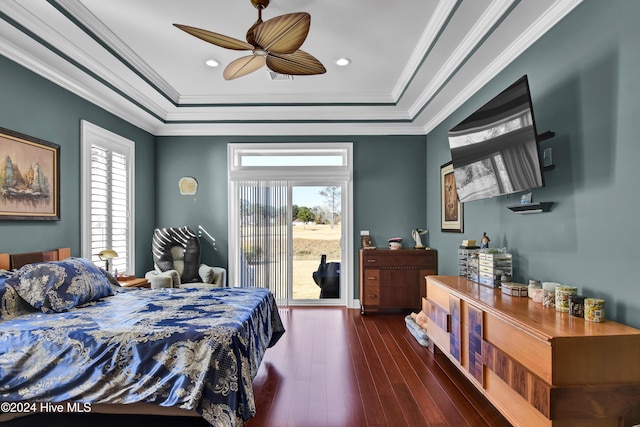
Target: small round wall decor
[188,186]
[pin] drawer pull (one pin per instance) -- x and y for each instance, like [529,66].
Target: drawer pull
[372,296]
[372,278]
[372,261]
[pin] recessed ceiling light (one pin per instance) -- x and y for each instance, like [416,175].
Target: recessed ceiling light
[212,63]
[343,62]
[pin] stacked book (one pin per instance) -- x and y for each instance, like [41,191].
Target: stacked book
[467,243]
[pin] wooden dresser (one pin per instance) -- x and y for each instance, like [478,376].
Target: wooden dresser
[538,366]
[394,279]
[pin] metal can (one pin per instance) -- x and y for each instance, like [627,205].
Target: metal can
[548,298]
[594,309]
[549,294]
[562,297]
[576,305]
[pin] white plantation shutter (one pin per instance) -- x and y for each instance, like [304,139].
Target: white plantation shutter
[107,189]
[99,200]
[120,210]
[109,207]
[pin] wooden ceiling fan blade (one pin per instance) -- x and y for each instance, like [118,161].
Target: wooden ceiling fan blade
[283,34]
[299,63]
[243,66]
[215,38]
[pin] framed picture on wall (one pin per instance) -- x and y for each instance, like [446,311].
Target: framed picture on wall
[29,178]
[451,210]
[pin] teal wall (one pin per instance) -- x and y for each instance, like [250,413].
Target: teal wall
[584,78]
[389,174]
[36,107]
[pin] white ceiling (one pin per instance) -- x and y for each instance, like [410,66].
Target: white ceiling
[413,61]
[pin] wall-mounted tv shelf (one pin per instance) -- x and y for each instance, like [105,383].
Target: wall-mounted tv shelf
[531,208]
[546,135]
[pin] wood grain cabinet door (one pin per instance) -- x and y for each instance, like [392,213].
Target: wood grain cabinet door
[400,288]
[455,338]
[475,343]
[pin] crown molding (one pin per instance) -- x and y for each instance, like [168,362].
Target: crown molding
[438,20]
[109,38]
[552,16]
[373,99]
[493,14]
[287,129]
[44,63]
[123,92]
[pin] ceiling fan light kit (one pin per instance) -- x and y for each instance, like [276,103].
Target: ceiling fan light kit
[275,43]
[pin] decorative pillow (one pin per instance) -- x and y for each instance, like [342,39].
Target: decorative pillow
[11,305]
[60,285]
[206,273]
[5,274]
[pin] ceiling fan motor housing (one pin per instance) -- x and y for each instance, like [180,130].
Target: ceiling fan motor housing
[260,4]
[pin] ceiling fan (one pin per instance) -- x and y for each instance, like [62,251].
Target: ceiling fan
[274,43]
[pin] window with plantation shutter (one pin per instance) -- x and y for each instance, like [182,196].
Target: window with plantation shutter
[107,164]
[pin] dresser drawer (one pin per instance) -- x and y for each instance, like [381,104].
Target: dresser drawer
[438,295]
[530,352]
[371,277]
[371,294]
[419,260]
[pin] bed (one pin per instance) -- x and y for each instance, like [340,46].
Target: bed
[161,351]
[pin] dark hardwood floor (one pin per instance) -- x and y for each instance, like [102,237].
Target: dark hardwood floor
[335,367]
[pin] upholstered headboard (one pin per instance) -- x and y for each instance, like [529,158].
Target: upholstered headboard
[9,261]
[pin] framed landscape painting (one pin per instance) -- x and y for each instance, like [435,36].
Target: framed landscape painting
[29,178]
[451,214]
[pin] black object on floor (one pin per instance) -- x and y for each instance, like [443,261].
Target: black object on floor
[328,278]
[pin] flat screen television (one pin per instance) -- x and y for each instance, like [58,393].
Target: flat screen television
[495,151]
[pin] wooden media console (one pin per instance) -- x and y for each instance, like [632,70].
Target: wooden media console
[537,366]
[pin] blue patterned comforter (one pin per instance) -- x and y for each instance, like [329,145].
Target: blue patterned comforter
[194,349]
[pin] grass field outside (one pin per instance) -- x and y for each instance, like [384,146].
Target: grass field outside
[310,242]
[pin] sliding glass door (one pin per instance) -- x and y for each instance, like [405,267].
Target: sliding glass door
[316,242]
[287,224]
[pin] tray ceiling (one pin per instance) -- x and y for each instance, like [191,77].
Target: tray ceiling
[413,62]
